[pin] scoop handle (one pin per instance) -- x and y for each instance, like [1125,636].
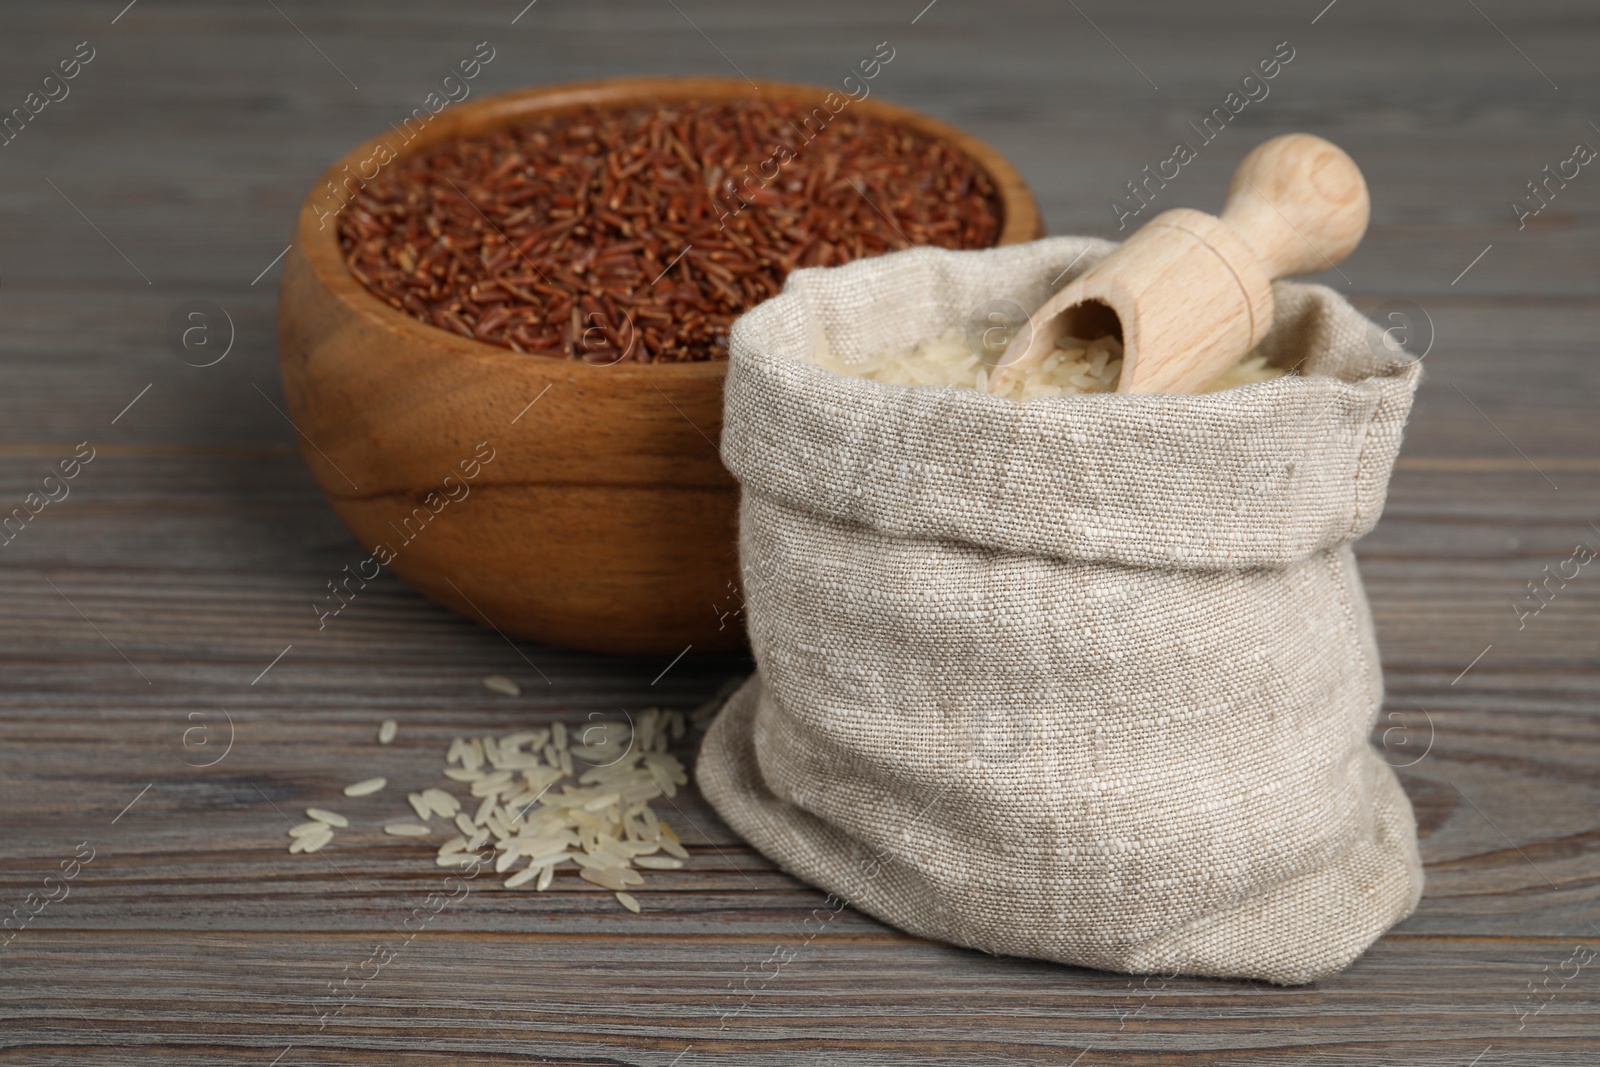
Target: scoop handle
[1299,202]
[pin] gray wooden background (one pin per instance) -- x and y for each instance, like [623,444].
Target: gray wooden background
[148,602]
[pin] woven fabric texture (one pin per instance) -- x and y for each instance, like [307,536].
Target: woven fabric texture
[1089,679]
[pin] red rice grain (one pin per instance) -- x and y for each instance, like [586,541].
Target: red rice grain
[620,234]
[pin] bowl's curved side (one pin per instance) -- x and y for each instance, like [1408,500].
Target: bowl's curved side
[603,519]
[555,507]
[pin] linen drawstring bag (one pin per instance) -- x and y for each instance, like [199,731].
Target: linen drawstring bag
[1090,678]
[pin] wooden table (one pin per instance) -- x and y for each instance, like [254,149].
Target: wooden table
[150,603]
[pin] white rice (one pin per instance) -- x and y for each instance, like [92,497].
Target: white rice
[551,797]
[419,804]
[441,802]
[1075,366]
[309,836]
[523,877]
[499,683]
[387,731]
[615,878]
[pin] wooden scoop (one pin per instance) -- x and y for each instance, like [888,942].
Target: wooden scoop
[1189,294]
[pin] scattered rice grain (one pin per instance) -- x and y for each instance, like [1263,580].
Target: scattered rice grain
[591,861]
[441,803]
[499,683]
[532,805]
[610,877]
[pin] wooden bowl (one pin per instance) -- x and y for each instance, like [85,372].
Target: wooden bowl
[604,519]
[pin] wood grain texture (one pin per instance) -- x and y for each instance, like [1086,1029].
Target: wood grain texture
[1190,294]
[191,549]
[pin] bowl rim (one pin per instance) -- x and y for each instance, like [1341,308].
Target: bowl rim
[319,241]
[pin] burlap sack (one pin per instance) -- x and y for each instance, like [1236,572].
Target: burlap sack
[1090,678]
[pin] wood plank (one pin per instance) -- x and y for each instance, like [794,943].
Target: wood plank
[873,998]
